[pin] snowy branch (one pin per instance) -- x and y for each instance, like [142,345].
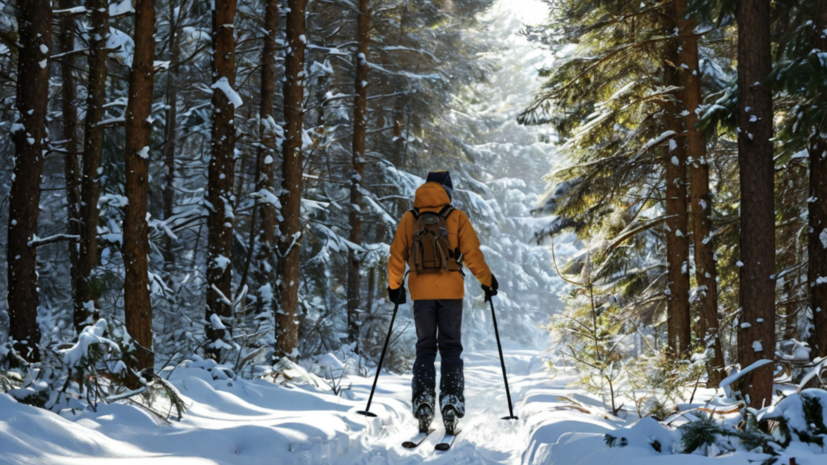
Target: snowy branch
[37,242]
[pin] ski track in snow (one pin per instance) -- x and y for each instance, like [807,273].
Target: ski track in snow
[484,438]
[257,422]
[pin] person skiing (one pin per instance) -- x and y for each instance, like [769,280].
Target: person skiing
[434,240]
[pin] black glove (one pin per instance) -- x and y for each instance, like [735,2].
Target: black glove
[491,291]
[397,295]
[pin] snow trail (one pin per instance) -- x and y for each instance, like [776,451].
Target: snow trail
[257,422]
[240,422]
[485,438]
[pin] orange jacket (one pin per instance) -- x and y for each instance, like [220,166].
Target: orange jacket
[431,196]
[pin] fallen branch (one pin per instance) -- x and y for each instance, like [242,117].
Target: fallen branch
[576,406]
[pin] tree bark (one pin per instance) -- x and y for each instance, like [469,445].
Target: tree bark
[354,280]
[679,331]
[137,305]
[706,272]
[266,164]
[171,131]
[221,171]
[34,20]
[817,243]
[290,228]
[71,167]
[756,333]
[86,296]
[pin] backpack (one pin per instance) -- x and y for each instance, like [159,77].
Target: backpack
[430,249]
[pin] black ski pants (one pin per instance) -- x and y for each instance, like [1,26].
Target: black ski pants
[438,328]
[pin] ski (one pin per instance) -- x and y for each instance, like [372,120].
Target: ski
[447,441]
[416,440]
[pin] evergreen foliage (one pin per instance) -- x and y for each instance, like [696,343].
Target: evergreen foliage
[700,434]
[610,97]
[427,62]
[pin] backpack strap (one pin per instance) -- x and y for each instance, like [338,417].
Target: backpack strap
[444,213]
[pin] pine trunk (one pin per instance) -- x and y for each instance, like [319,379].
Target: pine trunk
[354,280]
[817,246]
[756,333]
[137,305]
[706,272]
[290,228]
[171,131]
[265,169]
[679,331]
[34,20]
[221,171]
[87,293]
[71,167]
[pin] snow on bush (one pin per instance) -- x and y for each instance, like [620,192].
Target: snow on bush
[801,417]
[91,370]
[90,337]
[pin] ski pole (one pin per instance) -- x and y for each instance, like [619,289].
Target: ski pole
[366,412]
[502,362]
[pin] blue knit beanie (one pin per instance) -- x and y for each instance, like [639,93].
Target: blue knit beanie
[444,178]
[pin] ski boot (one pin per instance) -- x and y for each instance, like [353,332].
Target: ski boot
[450,419]
[425,414]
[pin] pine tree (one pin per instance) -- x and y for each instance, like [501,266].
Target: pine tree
[614,103]
[71,147]
[291,228]
[266,164]
[359,156]
[34,19]
[137,304]
[679,333]
[756,335]
[88,287]
[221,171]
[701,200]
[817,201]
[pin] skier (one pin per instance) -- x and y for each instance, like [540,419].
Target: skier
[435,240]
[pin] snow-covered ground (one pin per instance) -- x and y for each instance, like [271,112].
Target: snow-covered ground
[258,422]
